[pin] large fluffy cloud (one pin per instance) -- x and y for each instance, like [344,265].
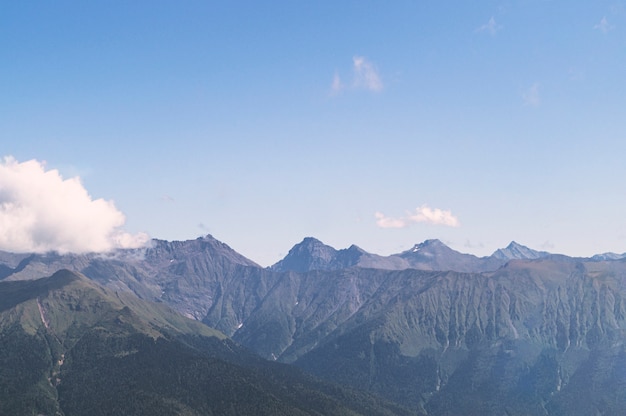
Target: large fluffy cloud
[421,214]
[40,211]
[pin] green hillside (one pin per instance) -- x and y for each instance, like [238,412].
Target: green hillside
[71,347]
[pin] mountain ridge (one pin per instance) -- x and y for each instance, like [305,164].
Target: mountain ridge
[431,254]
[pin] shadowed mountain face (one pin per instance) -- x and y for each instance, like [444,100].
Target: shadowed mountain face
[539,335]
[71,347]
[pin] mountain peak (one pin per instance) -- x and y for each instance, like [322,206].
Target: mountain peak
[515,245]
[355,249]
[433,242]
[310,241]
[309,254]
[516,251]
[430,244]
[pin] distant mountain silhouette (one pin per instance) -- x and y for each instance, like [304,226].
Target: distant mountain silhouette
[312,254]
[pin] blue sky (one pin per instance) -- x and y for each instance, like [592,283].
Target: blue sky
[380,124]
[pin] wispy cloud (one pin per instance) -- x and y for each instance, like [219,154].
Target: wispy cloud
[531,96]
[40,211]
[422,214]
[365,76]
[604,26]
[490,27]
[337,86]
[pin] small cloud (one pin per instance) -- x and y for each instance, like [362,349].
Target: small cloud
[547,245]
[531,96]
[423,214]
[365,75]
[490,27]
[604,26]
[40,212]
[386,222]
[337,86]
[167,198]
[434,216]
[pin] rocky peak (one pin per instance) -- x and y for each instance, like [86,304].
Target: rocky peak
[309,254]
[516,251]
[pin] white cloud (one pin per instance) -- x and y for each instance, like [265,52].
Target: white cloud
[364,77]
[604,26]
[423,214]
[40,212]
[385,222]
[490,27]
[531,96]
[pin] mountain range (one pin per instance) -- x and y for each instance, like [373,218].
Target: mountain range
[520,332]
[312,254]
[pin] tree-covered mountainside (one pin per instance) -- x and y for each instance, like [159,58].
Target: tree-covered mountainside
[71,347]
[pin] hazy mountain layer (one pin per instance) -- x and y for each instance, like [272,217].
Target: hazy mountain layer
[312,254]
